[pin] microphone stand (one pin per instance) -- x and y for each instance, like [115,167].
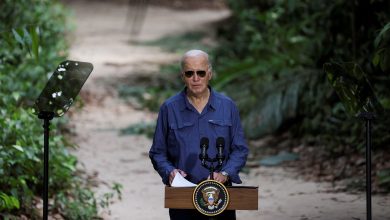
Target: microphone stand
[205,158]
[211,167]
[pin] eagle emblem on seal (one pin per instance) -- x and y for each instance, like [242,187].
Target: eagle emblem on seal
[211,197]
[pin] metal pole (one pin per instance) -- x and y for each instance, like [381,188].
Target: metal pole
[368,117]
[46,116]
[368,167]
[46,169]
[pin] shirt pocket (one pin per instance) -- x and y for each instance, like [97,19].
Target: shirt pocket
[179,133]
[221,127]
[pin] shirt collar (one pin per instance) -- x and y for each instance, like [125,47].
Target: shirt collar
[212,100]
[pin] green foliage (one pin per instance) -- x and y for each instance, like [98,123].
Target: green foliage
[32,44]
[275,60]
[384,177]
[180,43]
[272,67]
[28,52]
[150,91]
[27,39]
[382,44]
[82,205]
[8,202]
[140,128]
[352,87]
[108,197]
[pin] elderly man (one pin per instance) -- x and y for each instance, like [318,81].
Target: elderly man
[197,111]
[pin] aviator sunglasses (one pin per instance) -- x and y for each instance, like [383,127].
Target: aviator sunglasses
[190,73]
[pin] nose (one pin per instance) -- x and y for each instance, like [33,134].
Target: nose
[195,77]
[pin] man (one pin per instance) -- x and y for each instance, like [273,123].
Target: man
[197,111]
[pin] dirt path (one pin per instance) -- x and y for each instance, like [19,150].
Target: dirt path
[102,39]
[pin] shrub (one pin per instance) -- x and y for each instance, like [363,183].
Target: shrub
[32,44]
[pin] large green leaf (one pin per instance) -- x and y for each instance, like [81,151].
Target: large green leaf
[353,88]
[382,44]
[8,202]
[34,32]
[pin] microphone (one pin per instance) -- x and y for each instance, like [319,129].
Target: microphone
[220,145]
[204,145]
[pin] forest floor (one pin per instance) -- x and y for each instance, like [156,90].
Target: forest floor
[103,38]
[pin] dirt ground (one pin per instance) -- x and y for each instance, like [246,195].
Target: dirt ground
[103,38]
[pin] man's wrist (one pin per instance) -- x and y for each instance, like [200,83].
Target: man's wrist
[225,174]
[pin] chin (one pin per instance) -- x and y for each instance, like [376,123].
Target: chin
[198,90]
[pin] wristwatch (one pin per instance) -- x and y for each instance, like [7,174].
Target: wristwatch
[224,173]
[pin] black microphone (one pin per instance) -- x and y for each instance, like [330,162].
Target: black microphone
[204,145]
[220,145]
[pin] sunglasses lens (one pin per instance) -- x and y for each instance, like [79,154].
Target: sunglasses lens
[189,74]
[201,73]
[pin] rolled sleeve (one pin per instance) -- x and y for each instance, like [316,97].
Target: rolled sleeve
[238,148]
[158,152]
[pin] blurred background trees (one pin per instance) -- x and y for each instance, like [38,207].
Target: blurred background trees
[277,53]
[270,60]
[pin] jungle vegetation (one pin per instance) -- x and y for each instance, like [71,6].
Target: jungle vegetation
[32,44]
[273,67]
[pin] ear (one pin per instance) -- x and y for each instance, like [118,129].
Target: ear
[211,74]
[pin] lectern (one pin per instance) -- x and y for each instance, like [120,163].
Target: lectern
[241,197]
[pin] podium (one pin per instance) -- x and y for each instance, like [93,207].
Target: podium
[241,197]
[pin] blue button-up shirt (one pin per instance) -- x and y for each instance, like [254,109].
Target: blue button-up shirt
[176,142]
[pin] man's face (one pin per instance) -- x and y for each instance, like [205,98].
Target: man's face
[196,74]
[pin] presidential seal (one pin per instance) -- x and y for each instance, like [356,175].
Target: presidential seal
[210,197]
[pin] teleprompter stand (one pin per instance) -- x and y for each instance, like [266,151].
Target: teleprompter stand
[54,100]
[46,116]
[355,91]
[368,117]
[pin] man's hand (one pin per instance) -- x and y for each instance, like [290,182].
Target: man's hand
[219,177]
[173,174]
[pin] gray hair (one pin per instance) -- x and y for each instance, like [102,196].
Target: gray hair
[194,53]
